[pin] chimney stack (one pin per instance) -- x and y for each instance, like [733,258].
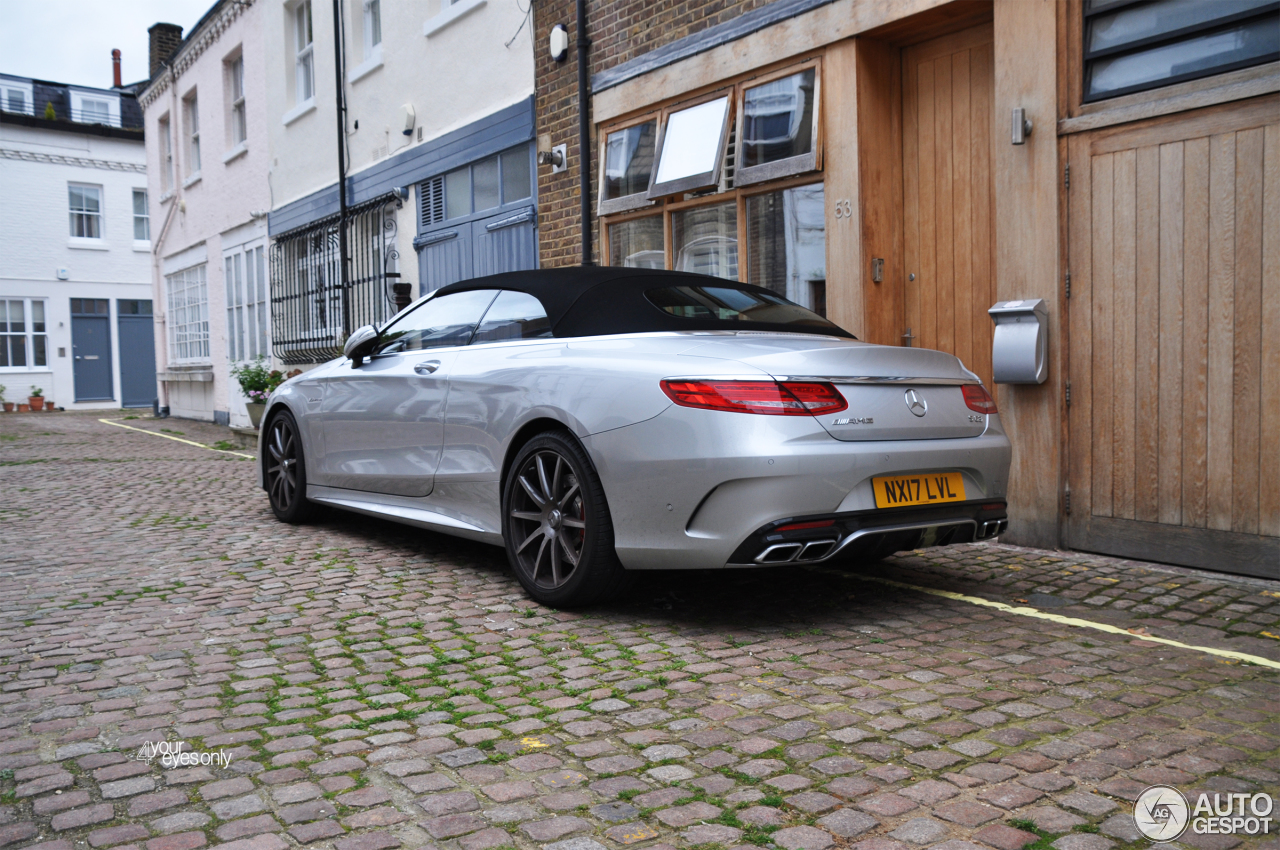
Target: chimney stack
[164,40]
[115,68]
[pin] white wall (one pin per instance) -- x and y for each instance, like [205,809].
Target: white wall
[212,212]
[36,165]
[459,73]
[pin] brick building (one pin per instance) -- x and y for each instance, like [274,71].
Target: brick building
[904,166]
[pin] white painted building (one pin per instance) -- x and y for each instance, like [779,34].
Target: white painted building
[208,146]
[439,139]
[75,285]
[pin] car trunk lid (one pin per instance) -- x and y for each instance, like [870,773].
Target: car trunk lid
[893,393]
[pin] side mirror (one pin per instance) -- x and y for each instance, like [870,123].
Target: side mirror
[360,344]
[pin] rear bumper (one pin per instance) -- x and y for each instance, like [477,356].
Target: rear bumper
[688,487]
[851,535]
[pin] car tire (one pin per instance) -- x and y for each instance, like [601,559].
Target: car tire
[556,524]
[284,470]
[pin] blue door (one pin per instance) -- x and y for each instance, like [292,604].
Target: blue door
[91,348]
[136,329]
[506,242]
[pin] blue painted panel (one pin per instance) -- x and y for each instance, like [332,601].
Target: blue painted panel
[137,361]
[445,261]
[496,132]
[91,347]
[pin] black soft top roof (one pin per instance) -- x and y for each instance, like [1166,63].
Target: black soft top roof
[599,300]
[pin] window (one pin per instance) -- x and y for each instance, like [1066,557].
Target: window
[191,117]
[133,306]
[628,166]
[86,211]
[95,108]
[372,26]
[513,315]
[715,201]
[166,156]
[188,315]
[787,244]
[731,304]
[305,79]
[439,323]
[487,184]
[16,97]
[1132,46]
[245,281]
[691,149]
[312,307]
[779,124]
[23,344]
[637,243]
[141,216]
[704,240]
[235,74]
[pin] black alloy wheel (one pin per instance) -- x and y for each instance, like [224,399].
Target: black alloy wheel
[286,474]
[556,524]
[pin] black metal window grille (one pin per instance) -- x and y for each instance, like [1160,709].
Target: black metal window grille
[1135,45]
[313,310]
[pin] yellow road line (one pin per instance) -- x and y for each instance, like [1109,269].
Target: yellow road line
[1071,621]
[177,439]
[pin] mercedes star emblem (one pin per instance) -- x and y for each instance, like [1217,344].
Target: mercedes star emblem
[916,403]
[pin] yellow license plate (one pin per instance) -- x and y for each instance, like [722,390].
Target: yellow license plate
[934,488]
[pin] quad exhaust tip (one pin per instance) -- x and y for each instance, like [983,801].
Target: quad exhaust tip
[813,551]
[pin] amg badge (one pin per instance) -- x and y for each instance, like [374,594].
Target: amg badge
[854,420]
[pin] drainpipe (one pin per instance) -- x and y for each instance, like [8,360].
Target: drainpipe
[342,165]
[584,134]
[161,315]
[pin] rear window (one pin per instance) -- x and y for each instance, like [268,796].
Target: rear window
[729,305]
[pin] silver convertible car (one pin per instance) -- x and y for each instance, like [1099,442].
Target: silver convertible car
[596,421]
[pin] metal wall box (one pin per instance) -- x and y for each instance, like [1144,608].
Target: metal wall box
[1020,348]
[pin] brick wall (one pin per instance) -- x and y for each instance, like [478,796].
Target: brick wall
[619,30]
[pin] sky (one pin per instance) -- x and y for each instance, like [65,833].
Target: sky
[70,41]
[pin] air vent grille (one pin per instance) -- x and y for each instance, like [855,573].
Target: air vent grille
[431,199]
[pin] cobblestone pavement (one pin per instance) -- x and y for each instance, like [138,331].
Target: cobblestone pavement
[375,686]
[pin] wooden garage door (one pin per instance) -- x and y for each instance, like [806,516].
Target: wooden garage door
[948,85]
[1174,362]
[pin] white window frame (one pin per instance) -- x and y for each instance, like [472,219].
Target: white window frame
[372,27]
[191,128]
[24,89]
[88,215]
[248,313]
[304,54]
[112,101]
[187,296]
[143,218]
[239,119]
[165,127]
[682,182]
[28,333]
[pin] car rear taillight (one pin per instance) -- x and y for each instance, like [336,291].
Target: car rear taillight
[793,398]
[977,397]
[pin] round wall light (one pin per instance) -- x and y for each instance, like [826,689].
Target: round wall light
[558,43]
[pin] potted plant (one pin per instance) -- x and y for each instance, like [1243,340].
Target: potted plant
[257,382]
[8,405]
[36,399]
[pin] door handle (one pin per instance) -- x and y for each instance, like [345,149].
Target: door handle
[426,367]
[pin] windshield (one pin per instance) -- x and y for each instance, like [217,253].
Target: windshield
[730,304]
